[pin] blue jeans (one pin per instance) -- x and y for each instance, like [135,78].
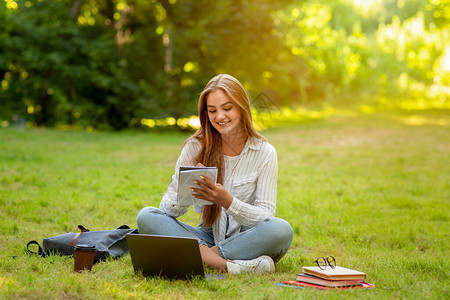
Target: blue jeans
[272,236]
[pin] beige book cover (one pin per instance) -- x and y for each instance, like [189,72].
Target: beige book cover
[338,273]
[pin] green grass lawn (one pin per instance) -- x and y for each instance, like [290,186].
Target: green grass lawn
[373,191]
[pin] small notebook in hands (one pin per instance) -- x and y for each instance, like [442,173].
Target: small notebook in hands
[165,256]
[186,177]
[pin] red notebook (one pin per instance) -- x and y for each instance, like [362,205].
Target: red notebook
[333,283]
[363,285]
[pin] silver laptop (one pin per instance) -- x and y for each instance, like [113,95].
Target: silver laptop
[165,256]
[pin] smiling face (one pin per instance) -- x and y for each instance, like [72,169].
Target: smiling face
[223,113]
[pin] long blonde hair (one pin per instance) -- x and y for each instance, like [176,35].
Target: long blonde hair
[211,154]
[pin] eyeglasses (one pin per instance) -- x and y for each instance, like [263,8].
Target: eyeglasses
[324,262]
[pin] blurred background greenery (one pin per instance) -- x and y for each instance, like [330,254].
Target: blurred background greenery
[117,64]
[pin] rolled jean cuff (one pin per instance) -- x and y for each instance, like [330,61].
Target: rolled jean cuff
[221,252]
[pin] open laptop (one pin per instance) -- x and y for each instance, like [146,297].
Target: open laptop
[166,256]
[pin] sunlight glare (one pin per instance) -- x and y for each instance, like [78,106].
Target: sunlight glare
[446,60]
[194,122]
[367,6]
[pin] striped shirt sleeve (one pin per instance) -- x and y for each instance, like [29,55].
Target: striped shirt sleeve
[169,201]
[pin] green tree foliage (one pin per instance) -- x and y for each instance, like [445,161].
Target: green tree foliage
[204,38]
[381,47]
[57,70]
[112,63]
[115,62]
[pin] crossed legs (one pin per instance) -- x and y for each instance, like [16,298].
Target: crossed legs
[272,237]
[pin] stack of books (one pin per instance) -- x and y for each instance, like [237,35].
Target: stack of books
[338,277]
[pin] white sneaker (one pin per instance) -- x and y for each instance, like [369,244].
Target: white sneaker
[261,265]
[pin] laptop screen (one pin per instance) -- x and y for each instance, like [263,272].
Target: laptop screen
[165,256]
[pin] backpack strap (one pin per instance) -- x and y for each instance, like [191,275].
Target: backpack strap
[124,227]
[82,228]
[40,250]
[77,235]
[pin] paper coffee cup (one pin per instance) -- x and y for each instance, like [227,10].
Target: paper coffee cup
[84,257]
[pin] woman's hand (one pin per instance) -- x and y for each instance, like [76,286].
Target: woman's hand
[214,192]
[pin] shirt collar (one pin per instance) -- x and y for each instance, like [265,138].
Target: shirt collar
[252,143]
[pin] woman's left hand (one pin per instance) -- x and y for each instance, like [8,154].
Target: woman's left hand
[214,192]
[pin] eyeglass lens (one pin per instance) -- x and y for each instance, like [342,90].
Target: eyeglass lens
[322,263]
[331,262]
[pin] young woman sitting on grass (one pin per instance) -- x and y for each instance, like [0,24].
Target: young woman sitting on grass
[239,232]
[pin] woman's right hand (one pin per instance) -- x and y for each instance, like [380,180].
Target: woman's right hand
[213,192]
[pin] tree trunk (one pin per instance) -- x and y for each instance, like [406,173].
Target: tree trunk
[168,63]
[110,10]
[75,9]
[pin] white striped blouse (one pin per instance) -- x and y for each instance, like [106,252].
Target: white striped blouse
[251,180]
